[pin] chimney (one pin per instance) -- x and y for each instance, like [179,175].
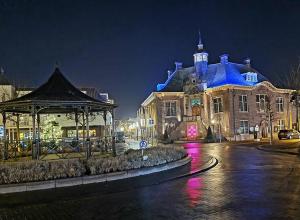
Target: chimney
[178,65]
[224,58]
[247,62]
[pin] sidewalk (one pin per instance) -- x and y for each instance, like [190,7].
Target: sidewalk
[286,147]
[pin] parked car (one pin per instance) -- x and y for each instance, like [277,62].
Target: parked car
[288,134]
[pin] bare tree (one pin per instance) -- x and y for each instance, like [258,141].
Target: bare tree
[291,80]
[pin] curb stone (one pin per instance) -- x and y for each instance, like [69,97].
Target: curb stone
[261,148]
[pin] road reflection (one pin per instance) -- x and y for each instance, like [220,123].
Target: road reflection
[194,190]
[194,151]
[195,187]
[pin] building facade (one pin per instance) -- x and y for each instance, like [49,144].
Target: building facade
[235,100]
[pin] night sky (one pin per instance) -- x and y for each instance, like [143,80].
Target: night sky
[126,47]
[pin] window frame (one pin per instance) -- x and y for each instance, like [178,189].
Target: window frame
[258,103]
[219,105]
[279,105]
[168,109]
[243,104]
[281,126]
[244,129]
[251,77]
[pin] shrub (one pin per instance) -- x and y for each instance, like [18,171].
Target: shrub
[133,159]
[209,136]
[30,171]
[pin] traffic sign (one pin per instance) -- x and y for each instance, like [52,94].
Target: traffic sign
[143,144]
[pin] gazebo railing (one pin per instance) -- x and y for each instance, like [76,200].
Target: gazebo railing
[59,148]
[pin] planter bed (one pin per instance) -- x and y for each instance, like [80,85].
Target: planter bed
[32,171]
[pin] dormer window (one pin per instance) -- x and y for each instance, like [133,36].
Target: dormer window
[250,77]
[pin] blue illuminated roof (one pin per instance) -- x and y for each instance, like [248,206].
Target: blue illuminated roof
[224,74]
[218,74]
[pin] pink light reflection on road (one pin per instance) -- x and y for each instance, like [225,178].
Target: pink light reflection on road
[194,190]
[194,151]
[194,185]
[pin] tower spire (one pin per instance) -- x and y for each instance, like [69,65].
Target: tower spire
[200,44]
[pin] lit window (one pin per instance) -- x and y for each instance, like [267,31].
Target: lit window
[281,124]
[200,57]
[195,102]
[204,57]
[218,107]
[244,127]
[279,104]
[243,104]
[170,108]
[261,102]
[251,77]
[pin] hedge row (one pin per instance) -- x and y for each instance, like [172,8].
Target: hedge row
[30,171]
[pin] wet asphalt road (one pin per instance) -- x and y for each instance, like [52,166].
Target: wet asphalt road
[246,184]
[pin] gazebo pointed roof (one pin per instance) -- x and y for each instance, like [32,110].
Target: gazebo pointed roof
[57,88]
[57,93]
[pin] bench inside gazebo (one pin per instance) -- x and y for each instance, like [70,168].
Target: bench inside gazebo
[57,96]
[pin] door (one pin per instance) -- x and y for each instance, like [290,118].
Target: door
[192,131]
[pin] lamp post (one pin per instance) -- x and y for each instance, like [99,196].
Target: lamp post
[233,110]
[270,117]
[137,131]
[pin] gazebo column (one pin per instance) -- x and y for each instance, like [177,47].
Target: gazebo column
[18,129]
[5,144]
[83,127]
[105,121]
[104,131]
[13,138]
[113,132]
[9,135]
[88,144]
[76,124]
[33,148]
[38,137]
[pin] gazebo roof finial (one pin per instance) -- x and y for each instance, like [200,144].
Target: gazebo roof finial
[56,66]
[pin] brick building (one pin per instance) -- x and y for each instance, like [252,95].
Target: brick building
[234,99]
